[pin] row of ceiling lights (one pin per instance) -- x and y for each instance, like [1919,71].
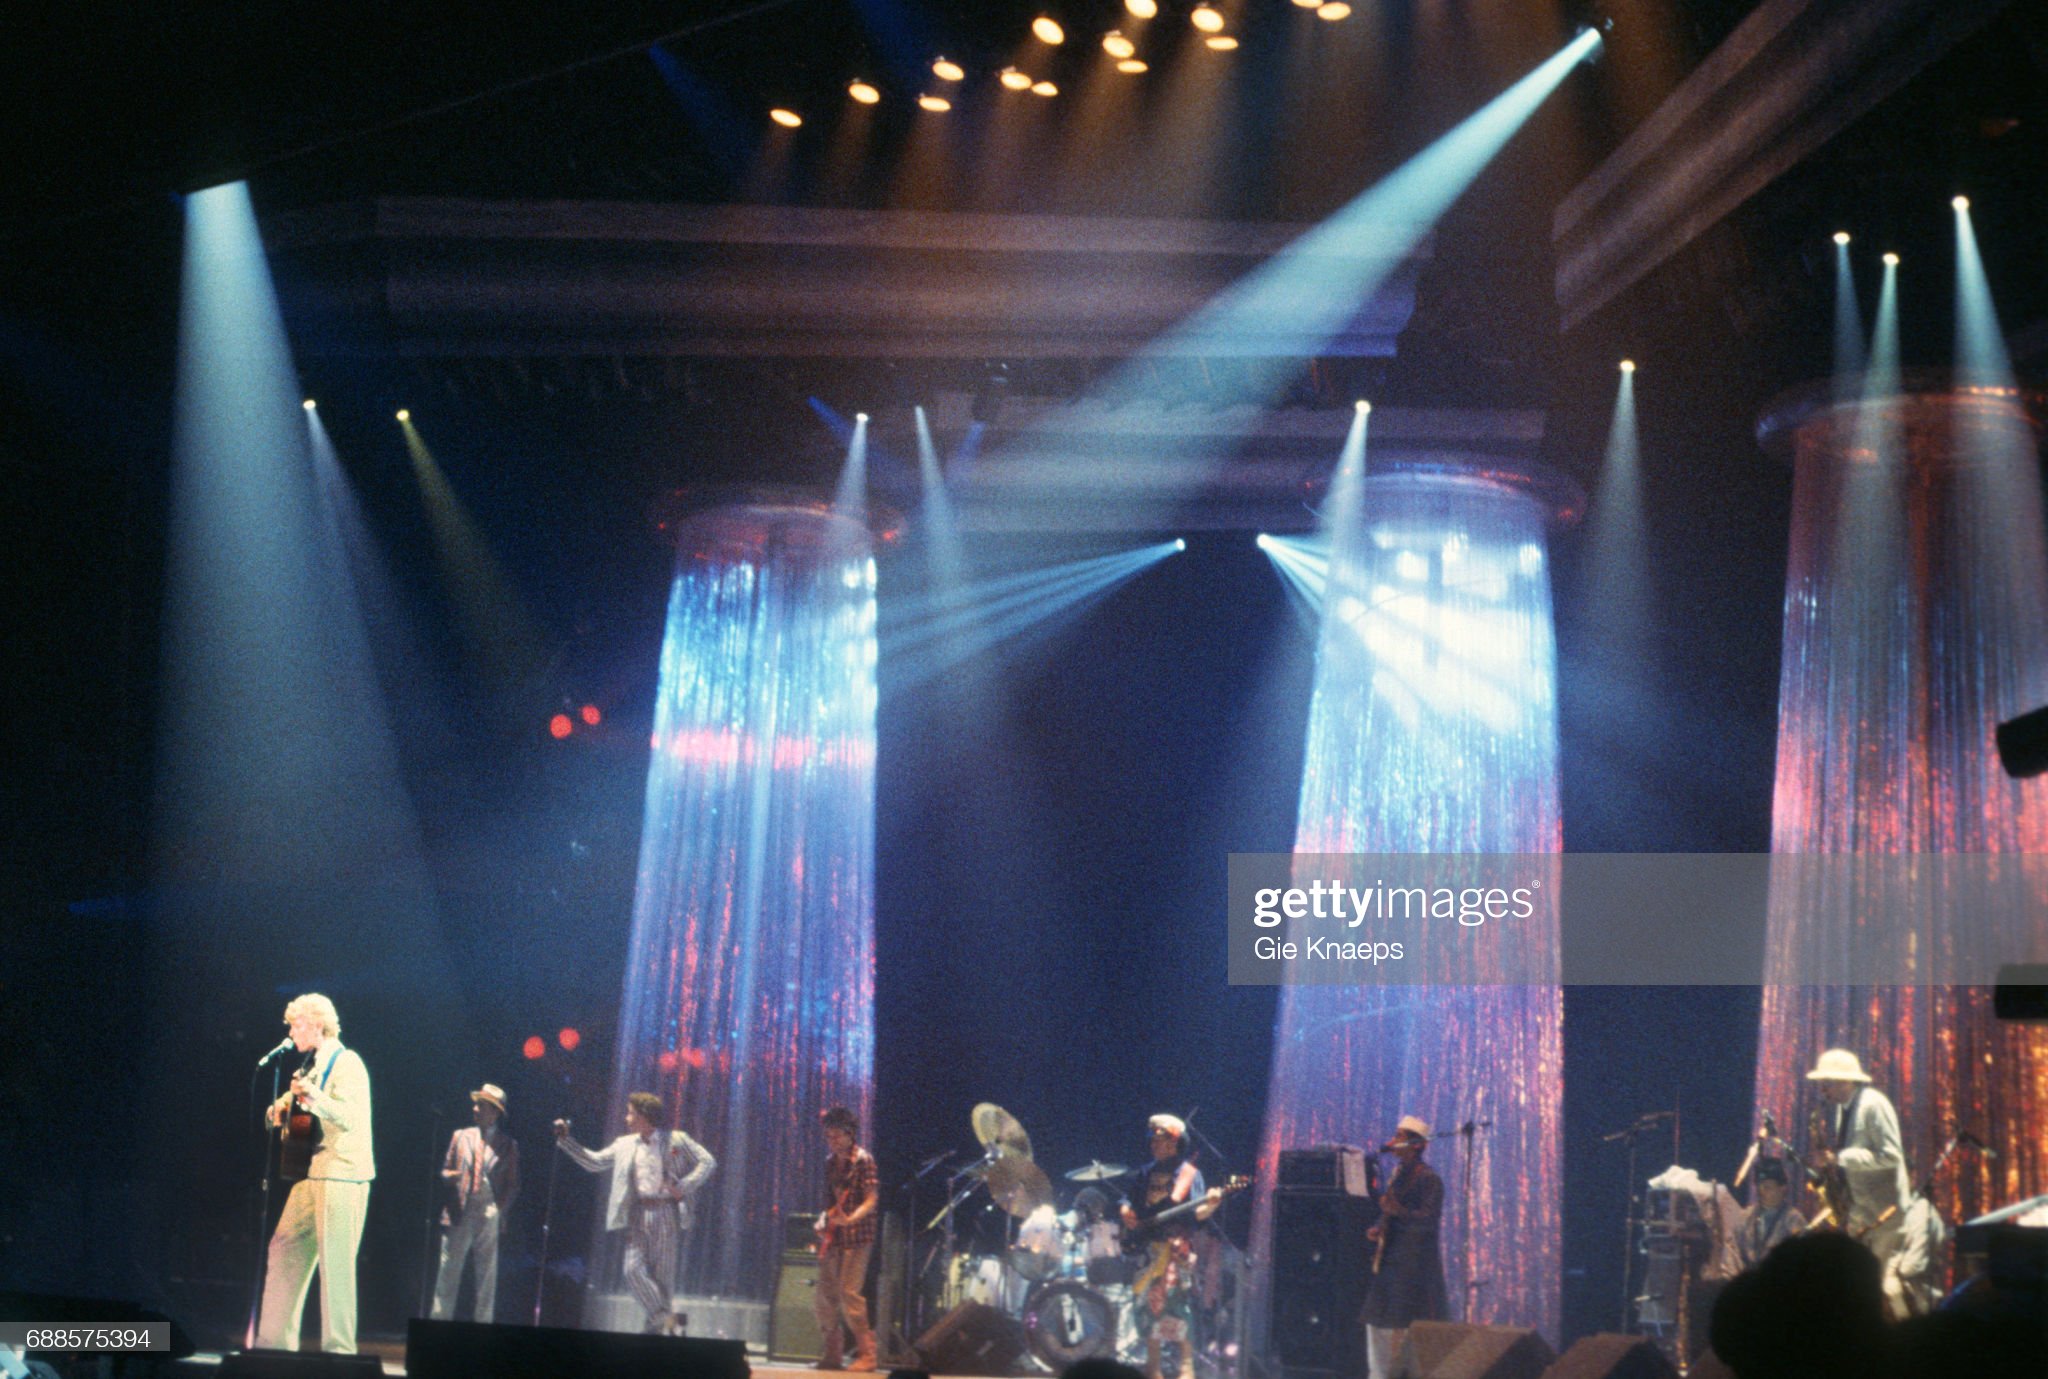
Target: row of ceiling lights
[1205,17]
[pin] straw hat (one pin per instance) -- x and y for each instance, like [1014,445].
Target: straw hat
[492,1093]
[1838,1065]
[1412,1127]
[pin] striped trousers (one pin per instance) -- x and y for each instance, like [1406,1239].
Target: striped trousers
[651,1238]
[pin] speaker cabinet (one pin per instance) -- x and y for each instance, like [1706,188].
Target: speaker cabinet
[466,1350]
[973,1338]
[1427,1345]
[792,1323]
[1497,1352]
[1614,1357]
[1320,1269]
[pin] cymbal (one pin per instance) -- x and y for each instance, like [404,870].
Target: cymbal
[1096,1172]
[1000,1131]
[1019,1186]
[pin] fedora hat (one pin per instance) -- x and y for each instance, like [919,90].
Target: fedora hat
[1838,1065]
[1411,1128]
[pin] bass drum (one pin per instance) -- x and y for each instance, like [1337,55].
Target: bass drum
[1065,1322]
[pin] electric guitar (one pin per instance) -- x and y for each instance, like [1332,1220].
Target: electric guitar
[828,1232]
[1147,1231]
[1830,1180]
[299,1132]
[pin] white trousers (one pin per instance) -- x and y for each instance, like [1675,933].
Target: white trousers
[1383,1350]
[321,1227]
[474,1236]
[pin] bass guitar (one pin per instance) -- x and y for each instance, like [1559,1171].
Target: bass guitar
[1148,1232]
[299,1131]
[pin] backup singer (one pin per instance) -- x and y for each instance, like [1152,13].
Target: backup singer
[846,1238]
[1163,1292]
[322,1223]
[1407,1285]
[654,1175]
[482,1170]
[1864,1128]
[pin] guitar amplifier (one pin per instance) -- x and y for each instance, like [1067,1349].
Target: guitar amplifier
[1328,1168]
[793,1332]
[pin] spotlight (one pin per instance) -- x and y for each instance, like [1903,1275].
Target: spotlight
[1207,18]
[1142,9]
[1961,203]
[591,715]
[1048,30]
[788,119]
[1308,4]
[1263,542]
[1131,65]
[946,70]
[1044,88]
[1333,11]
[1628,366]
[861,417]
[569,1038]
[1180,543]
[308,404]
[1842,238]
[935,104]
[1362,406]
[534,1047]
[1891,260]
[864,92]
[1116,45]
[404,414]
[1221,43]
[1014,79]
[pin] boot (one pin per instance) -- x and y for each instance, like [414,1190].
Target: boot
[863,1353]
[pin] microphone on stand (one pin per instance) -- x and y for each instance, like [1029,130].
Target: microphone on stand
[284,1046]
[1971,1140]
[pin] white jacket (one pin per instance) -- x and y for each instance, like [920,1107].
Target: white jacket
[683,1170]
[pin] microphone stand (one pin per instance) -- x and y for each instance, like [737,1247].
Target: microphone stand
[1467,1287]
[272,1061]
[1628,1135]
[547,1223]
[912,1302]
[429,1272]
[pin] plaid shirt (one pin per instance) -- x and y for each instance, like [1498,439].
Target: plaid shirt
[848,1183]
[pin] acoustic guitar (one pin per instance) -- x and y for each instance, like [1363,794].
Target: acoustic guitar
[299,1132]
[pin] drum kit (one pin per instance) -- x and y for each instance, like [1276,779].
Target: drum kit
[1061,1273]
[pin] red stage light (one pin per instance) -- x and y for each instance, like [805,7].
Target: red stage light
[590,716]
[667,1061]
[569,1038]
[560,727]
[534,1047]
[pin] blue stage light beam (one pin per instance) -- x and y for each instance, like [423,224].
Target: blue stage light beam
[1848,322]
[851,497]
[1433,730]
[1296,302]
[1980,353]
[1298,299]
[1304,567]
[945,558]
[1618,582]
[749,992]
[937,632]
[284,846]
[498,637]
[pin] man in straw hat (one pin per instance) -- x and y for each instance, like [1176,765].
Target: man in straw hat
[482,1172]
[1407,1284]
[1863,1128]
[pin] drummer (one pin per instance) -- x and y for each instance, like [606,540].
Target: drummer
[1164,1293]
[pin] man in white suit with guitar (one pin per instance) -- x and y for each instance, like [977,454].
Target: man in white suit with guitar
[655,1172]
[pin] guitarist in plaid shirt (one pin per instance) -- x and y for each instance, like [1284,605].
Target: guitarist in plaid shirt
[846,1239]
